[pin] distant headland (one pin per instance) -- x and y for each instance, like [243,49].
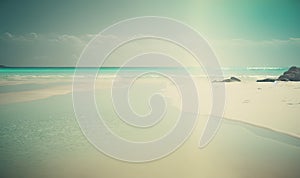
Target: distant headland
[3,66]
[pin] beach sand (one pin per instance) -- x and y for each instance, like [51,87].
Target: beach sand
[272,105]
[259,135]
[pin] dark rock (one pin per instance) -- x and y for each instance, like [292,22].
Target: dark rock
[234,79]
[231,79]
[293,74]
[283,78]
[266,80]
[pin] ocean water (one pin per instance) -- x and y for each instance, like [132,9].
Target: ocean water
[40,137]
[63,72]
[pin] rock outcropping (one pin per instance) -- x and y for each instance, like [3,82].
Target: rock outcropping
[293,74]
[266,80]
[231,79]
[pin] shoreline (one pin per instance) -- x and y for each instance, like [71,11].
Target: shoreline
[294,136]
[274,106]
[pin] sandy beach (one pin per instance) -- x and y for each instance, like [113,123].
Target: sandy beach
[271,105]
[259,132]
[150,89]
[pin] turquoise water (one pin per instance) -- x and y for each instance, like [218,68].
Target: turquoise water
[255,72]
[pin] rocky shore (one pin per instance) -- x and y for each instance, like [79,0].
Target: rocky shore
[293,74]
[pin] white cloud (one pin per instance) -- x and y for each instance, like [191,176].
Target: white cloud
[247,42]
[12,37]
[58,38]
[33,49]
[41,49]
[245,52]
[7,35]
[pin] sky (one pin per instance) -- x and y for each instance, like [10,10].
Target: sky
[242,33]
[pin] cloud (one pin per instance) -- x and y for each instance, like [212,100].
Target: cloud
[33,49]
[63,39]
[259,43]
[246,52]
[7,35]
[10,37]
[70,39]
